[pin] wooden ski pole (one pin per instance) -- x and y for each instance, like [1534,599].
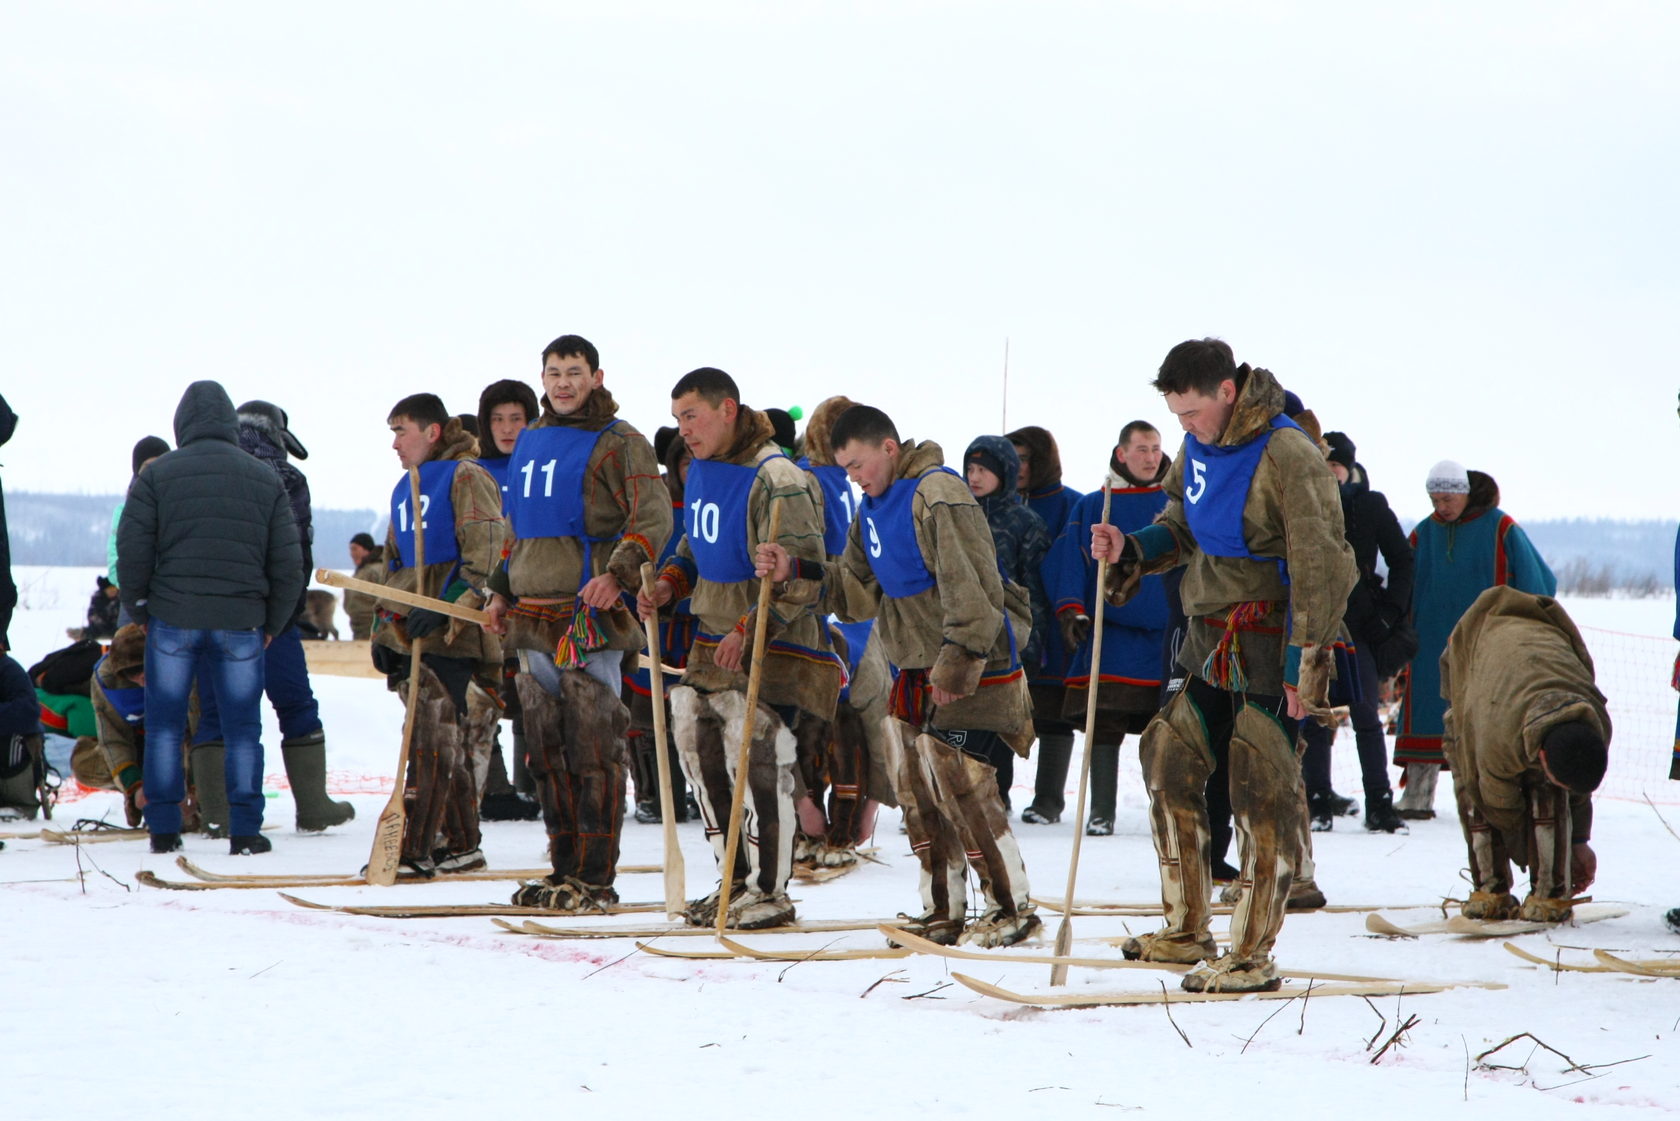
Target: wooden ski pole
[386,854]
[675,878]
[755,678]
[1064,932]
[396,595]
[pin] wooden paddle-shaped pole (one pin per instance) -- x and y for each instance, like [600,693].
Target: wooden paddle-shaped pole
[1064,932]
[675,879]
[386,854]
[755,677]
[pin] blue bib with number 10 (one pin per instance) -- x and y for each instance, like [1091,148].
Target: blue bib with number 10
[437,514]
[1216,482]
[545,475]
[889,539]
[715,519]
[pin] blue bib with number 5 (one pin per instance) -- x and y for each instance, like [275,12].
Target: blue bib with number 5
[437,514]
[1216,482]
[889,539]
[545,474]
[715,519]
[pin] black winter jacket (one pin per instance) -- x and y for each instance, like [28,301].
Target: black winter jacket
[207,540]
[1374,606]
[257,441]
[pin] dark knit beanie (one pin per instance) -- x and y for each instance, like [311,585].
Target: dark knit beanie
[781,420]
[988,459]
[662,441]
[149,447]
[1341,449]
[1576,755]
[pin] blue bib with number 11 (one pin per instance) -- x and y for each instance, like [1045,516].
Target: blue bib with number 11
[545,475]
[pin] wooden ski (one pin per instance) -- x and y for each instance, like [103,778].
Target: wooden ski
[1557,965]
[736,951]
[457,910]
[675,930]
[1483,928]
[1658,968]
[1140,910]
[104,836]
[332,879]
[923,946]
[1287,992]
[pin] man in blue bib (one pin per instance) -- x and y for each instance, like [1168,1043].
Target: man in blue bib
[588,510]
[853,759]
[505,409]
[1254,517]
[461,521]
[920,561]
[738,477]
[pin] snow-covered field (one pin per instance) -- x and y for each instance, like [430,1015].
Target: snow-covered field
[237,1004]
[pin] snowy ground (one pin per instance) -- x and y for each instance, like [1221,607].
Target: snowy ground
[234,1003]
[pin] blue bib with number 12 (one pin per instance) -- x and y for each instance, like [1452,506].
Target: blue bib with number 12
[437,514]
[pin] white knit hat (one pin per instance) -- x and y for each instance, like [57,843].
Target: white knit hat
[1448,477]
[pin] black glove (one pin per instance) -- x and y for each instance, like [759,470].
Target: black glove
[421,622]
[1076,628]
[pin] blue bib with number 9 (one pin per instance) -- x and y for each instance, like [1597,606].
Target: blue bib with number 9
[888,530]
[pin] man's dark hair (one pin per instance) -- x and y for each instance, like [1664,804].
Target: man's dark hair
[1197,364]
[505,392]
[713,385]
[1134,428]
[423,409]
[863,423]
[568,345]
[468,422]
[1576,755]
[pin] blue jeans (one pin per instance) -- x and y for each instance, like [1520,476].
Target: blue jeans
[233,661]
[285,680]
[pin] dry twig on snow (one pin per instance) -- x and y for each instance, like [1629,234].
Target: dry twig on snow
[1397,1039]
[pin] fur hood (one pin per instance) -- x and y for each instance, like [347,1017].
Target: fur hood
[817,447]
[1259,399]
[455,443]
[1046,472]
[597,412]
[916,459]
[752,431]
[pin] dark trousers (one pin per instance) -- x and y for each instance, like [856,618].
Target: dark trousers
[1367,737]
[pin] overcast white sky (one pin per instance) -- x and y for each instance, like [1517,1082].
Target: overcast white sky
[1451,228]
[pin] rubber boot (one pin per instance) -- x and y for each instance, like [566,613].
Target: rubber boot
[209,781]
[306,770]
[523,783]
